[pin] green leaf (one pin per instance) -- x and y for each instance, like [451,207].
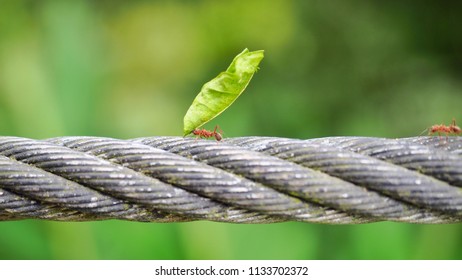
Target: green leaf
[219,93]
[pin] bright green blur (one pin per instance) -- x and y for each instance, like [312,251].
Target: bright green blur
[131,68]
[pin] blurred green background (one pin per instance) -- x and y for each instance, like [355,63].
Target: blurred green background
[132,68]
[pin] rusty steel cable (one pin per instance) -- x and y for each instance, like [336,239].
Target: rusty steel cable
[332,180]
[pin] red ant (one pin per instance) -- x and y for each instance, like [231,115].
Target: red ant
[441,128]
[203,133]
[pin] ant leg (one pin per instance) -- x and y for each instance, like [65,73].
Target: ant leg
[198,136]
[454,128]
[439,135]
[220,131]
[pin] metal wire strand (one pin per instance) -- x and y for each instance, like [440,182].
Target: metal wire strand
[335,180]
[327,155]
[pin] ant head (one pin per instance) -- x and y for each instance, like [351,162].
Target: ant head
[455,129]
[434,128]
[218,136]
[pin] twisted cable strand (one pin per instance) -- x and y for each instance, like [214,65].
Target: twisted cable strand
[15,207]
[433,160]
[407,187]
[452,145]
[23,187]
[290,178]
[250,194]
[98,176]
[335,180]
[179,173]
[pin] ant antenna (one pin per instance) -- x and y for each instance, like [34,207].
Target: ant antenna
[425,131]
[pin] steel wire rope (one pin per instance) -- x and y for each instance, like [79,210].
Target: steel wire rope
[333,180]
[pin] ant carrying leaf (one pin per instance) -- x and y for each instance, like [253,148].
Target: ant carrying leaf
[203,133]
[218,94]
